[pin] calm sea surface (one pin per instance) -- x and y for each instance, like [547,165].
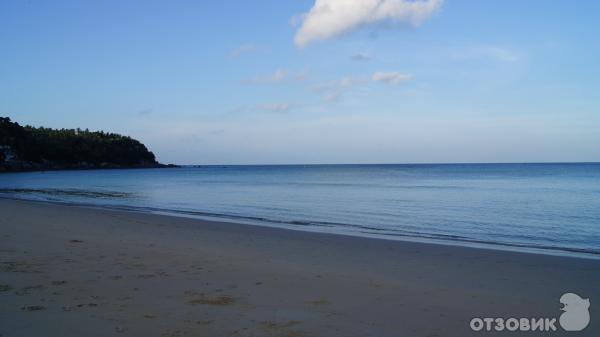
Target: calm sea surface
[554,207]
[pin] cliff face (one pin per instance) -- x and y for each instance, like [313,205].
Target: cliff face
[28,148]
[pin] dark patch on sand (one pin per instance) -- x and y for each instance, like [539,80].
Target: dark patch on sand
[277,325]
[146,276]
[33,308]
[281,328]
[18,267]
[219,300]
[120,329]
[28,290]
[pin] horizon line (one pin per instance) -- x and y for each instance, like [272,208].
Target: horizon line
[416,163]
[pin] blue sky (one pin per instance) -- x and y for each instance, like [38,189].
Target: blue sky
[229,82]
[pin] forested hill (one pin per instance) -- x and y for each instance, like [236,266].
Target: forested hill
[25,148]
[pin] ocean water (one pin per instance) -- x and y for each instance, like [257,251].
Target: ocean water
[546,207]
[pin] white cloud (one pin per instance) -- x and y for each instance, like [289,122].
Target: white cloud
[330,18]
[278,76]
[302,75]
[275,107]
[391,77]
[332,90]
[491,52]
[501,54]
[145,112]
[362,57]
[243,49]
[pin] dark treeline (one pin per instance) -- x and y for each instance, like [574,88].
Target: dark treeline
[30,148]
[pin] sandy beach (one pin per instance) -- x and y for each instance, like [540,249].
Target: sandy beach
[76,271]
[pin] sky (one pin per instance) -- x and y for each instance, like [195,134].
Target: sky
[305,81]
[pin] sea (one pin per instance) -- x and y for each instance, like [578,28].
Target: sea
[546,208]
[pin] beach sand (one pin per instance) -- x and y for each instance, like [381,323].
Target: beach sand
[76,271]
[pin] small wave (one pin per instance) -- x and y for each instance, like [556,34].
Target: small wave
[67,192]
[455,238]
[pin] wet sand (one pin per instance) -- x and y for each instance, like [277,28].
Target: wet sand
[76,271]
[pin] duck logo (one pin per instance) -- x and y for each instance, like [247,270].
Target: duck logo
[576,315]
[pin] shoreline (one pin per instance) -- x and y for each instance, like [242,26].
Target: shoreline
[454,242]
[69,271]
[4,170]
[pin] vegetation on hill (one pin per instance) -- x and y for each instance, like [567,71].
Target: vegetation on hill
[30,148]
